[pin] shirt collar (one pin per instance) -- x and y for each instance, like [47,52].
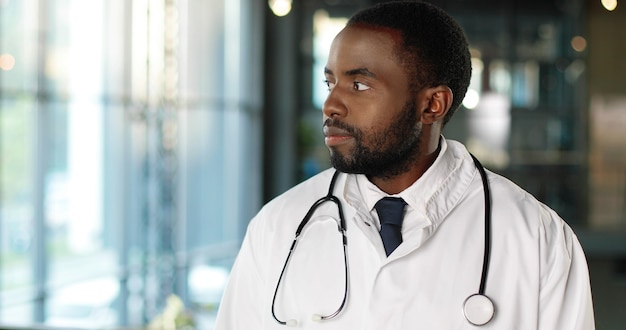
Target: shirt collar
[415,194]
[431,195]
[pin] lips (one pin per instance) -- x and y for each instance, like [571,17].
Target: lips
[335,136]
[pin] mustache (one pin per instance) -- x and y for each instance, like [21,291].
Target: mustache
[341,125]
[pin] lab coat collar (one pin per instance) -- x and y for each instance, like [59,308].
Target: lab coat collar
[415,195]
[433,195]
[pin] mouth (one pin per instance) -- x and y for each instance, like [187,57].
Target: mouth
[335,136]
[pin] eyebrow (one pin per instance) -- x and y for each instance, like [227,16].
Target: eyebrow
[354,72]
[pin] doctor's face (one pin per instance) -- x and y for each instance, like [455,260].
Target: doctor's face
[371,122]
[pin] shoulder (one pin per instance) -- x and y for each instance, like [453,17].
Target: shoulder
[511,204]
[287,209]
[521,217]
[310,189]
[509,197]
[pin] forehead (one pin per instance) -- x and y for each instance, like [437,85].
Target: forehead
[364,45]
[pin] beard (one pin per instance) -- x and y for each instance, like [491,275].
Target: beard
[384,153]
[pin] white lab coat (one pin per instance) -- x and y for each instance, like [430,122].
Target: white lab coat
[538,276]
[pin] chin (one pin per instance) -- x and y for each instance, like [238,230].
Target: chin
[344,165]
[340,163]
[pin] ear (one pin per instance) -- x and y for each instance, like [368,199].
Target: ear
[439,102]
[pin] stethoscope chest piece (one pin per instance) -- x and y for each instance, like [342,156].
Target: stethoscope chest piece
[478,309]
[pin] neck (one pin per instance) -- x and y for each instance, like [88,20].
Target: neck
[398,183]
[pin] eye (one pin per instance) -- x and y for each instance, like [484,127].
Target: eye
[359,86]
[329,84]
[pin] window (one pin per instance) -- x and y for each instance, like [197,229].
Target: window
[128,155]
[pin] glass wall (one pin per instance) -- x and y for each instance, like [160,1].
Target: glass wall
[524,112]
[545,108]
[129,155]
[131,140]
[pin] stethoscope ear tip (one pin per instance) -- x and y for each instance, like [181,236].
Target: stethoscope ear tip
[291,323]
[316,317]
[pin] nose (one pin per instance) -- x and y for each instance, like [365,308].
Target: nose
[334,105]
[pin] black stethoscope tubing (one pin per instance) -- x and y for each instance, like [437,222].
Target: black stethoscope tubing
[342,228]
[487,249]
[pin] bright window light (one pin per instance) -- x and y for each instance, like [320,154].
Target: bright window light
[609,5]
[471,99]
[280,7]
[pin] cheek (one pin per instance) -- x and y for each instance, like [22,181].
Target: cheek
[376,135]
[392,113]
[377,113]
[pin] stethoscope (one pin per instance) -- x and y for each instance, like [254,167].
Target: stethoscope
[478,309]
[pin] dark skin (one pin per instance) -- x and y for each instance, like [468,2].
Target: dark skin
[368,88]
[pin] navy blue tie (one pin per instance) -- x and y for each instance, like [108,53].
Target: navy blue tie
[390,211]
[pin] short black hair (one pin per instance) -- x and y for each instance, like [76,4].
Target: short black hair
[434,48]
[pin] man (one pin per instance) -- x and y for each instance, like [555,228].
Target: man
[396,73]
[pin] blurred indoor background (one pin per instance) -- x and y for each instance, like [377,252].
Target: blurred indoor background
[137,139]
